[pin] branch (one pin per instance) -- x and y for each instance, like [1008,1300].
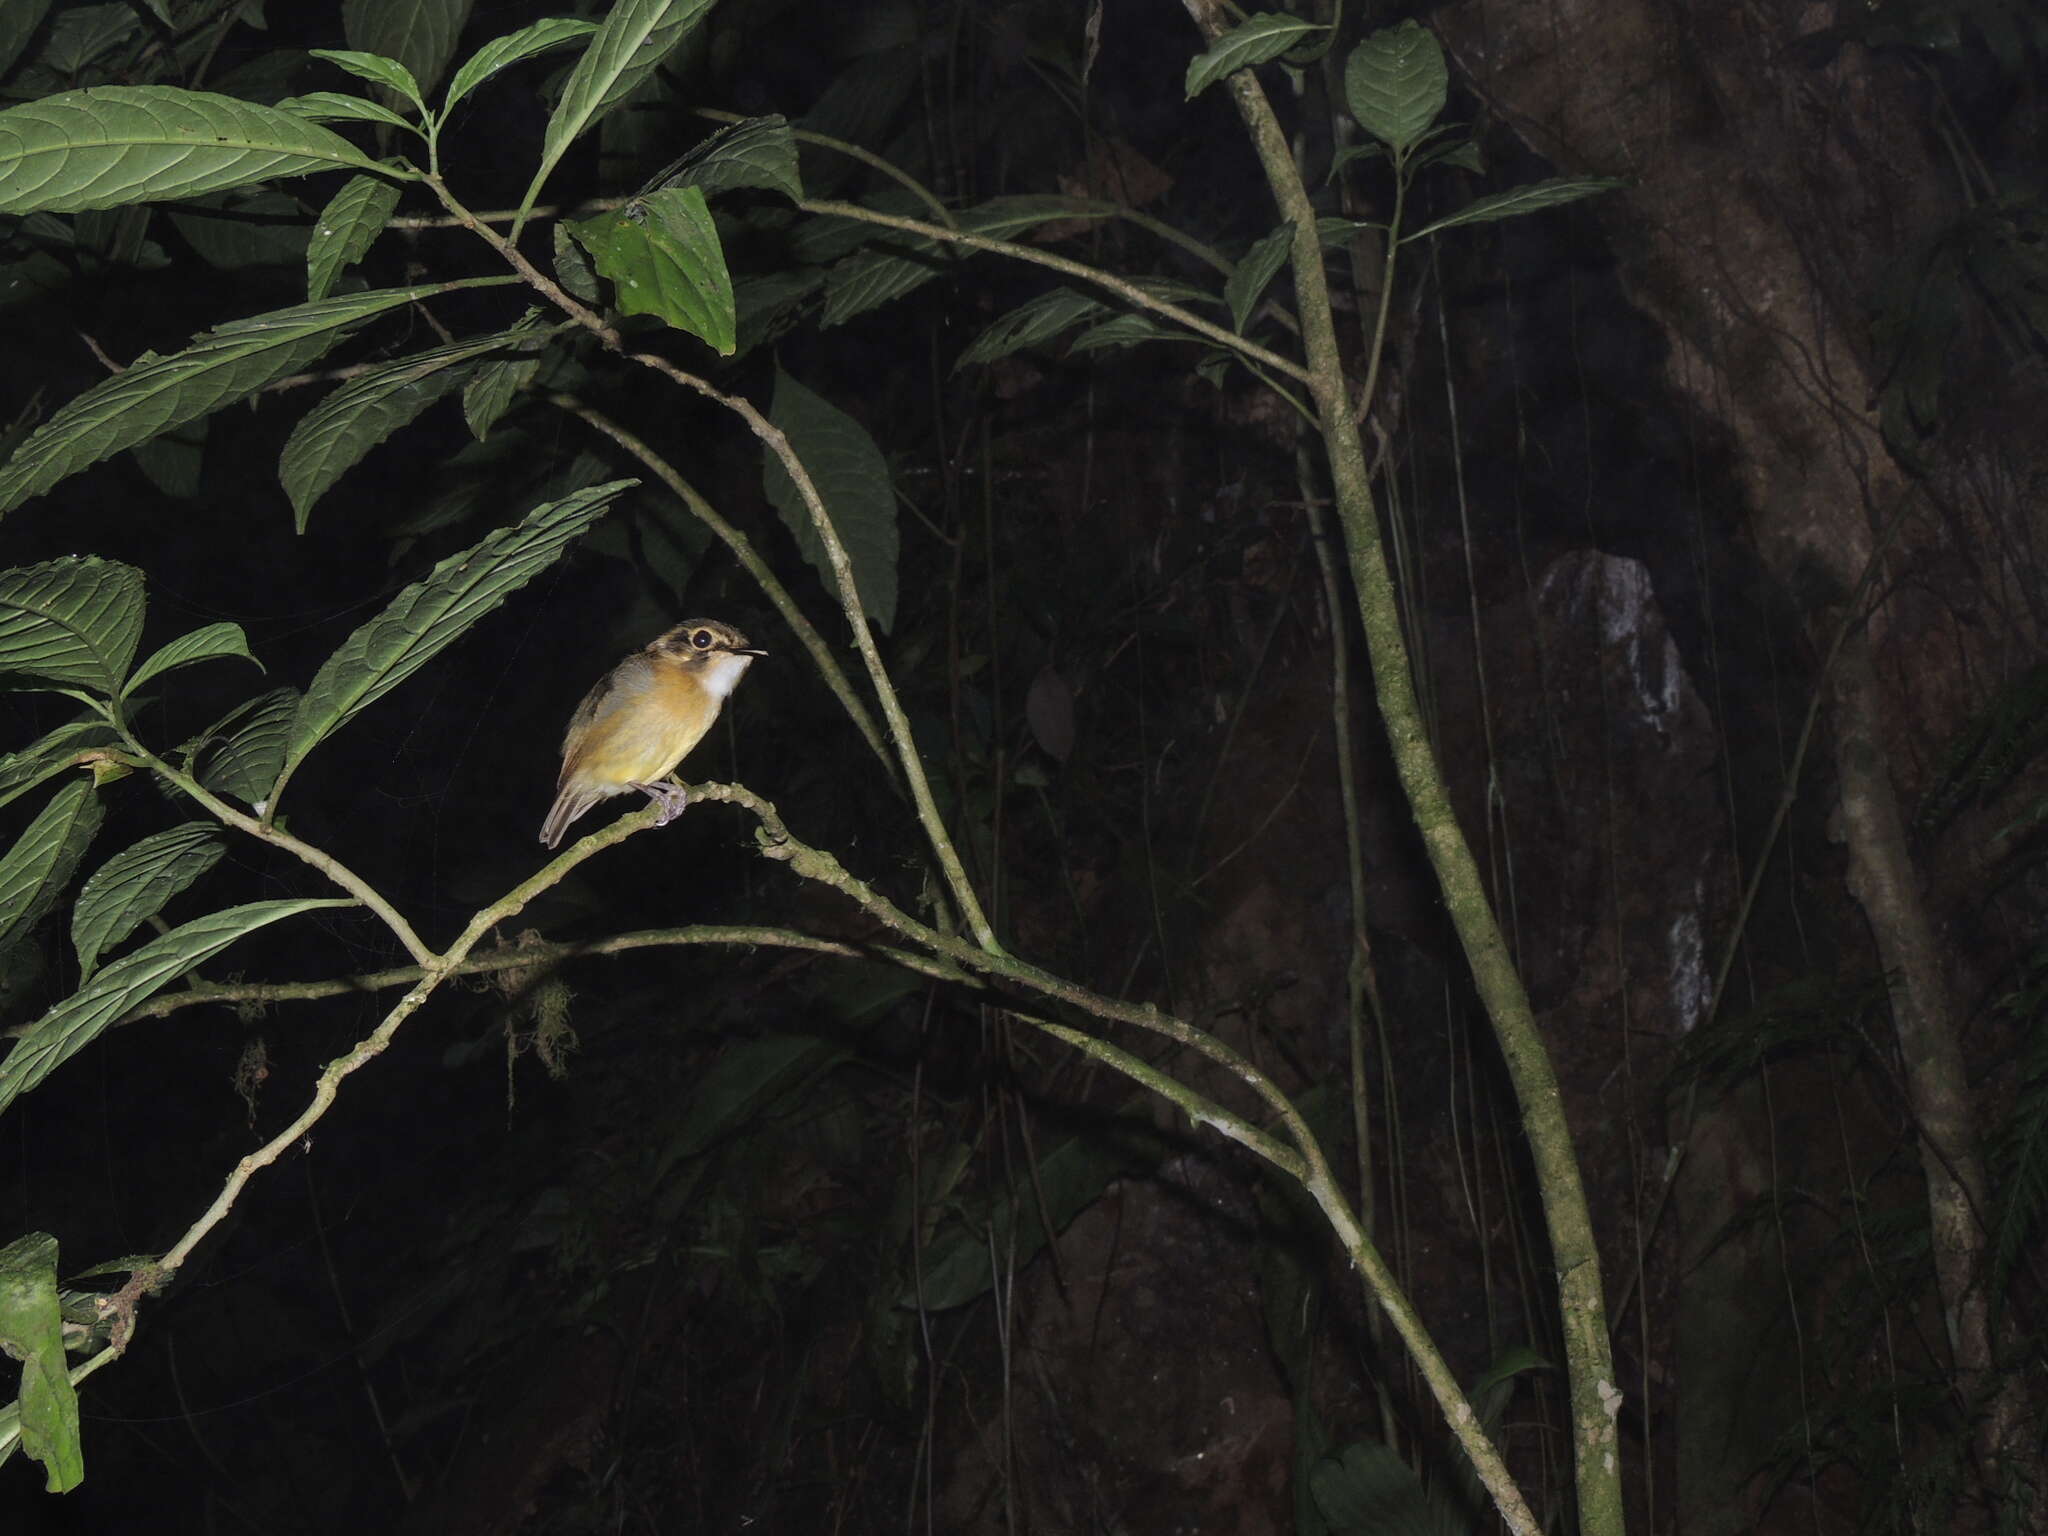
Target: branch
[306,853]
[842,566]
[744,551]
[518,957]
[849,599]
[1128,291]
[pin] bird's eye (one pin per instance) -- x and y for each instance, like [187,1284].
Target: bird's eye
[702,639]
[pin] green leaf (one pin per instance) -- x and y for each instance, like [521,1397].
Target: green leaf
[1462,153]
[333,107]
[1266,257]
[32,1331]
[377,69]
[74,621]
[119,144]
[1366,1487]
[242,228]
[242,753]
[76,1022]
[635,37]
[756,152]
[1031,323]
[1350,152]
[418,34]
[1516,201]
[337,432]
[853,479]
[1396,84]
[37,868]
[572,268]
[873,277]
[1070,1178]
[204,644]
[663,257]
[769,304]
[1260,37]
[18,22]
[348,226]
[742,1085]
[84,38]
[51,755]
[492,389]
[429,615]
[136,884]
[155,394]
[503,52]
[1123,331]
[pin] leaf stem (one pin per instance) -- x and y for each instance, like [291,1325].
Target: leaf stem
[266,832]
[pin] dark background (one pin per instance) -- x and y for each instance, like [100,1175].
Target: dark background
[634,1243]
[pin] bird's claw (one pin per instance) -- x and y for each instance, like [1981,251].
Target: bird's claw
[671,797]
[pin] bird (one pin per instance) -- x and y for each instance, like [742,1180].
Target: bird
[643,718]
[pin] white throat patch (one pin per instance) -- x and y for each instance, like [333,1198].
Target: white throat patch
[722,673]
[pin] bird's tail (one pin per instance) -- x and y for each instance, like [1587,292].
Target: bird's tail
[569,804]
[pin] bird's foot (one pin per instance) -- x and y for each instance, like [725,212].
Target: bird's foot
[669,795]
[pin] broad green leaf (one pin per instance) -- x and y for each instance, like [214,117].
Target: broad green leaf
[333,107]
[1371,150]
[1366,1487]
[1031,323]
[1254,272]
[741,1086]
[51,755]
[1333,234]
[418,34]
[425,618]
[1396,84]
[757,152]
[874,277]
[75,620]
[337,432]
[769,305]
[242,753]
[376,69]
[243,228]
[1070,1178]
[32,1331]
[635,37]
[118,236]
[1463,153]
[853,478]
[155,393]
[1259,37]
[858,107]
[135,884]
[118,144]
[35,871]
[76,1022]
[663,257]
[82,36]
[572,268]
[173,460]
[348,226]
[1516,201]
[205,644]
[1124,331]
[503,52]
[492,389]
[18,22]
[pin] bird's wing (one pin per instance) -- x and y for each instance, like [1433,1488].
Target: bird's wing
[614,691]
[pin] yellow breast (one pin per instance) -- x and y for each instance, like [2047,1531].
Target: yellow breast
[650,730]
